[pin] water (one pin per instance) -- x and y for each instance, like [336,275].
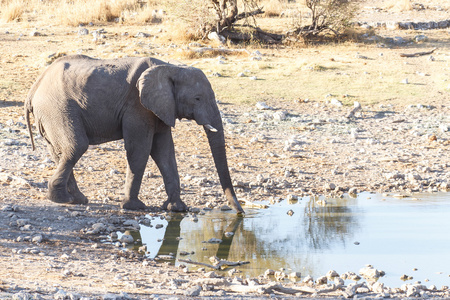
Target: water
[397,236]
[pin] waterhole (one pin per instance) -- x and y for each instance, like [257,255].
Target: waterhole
[400,236]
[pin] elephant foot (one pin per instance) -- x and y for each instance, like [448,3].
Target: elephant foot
[59,196]
[79,198]
[178,206]
[133,204]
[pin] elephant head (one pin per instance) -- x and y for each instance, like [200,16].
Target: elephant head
[173,92]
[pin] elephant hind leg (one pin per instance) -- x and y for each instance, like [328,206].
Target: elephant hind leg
[72,187]
[62,187]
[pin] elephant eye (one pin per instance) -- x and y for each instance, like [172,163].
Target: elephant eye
[197,98]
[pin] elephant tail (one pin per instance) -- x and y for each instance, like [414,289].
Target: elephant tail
[28,110]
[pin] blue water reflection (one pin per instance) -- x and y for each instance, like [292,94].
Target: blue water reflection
[397,236]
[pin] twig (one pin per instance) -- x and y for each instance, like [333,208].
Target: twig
[225,51]
[217,266]
[417,53]
[252,205]
[269,288]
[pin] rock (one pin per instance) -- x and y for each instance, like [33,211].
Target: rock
[329,186]
[142,35]
[133,224]
[350,275]
[295,275]
[228,234]
[336,102]
[322,280]
[421,38]
[37,238]
[35,33]
[262,106]
[126,238]
[193,292]
[377,287]
[332,274]
[279,116]
[290,212]
[269,272]
[405,81]
[413,177]
[214,241]
[213,36]
[83,31]
[353,191]
[371,273]
[225,208]
[308,280]
[279,275]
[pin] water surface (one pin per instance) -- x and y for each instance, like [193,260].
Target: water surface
[399,236]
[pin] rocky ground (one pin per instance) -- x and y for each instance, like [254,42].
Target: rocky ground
[275,148]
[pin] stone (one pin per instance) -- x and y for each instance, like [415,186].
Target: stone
[83,31]
[336,102]
[322,280]
[262,106]
[279,116]
[193,291]
[214,241]
[420,38]
[279,275]
[371,273]
[332,274]
[37,238]
[126,238]
[133,224]
[214,36]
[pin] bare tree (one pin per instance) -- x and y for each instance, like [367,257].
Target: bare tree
[326,16]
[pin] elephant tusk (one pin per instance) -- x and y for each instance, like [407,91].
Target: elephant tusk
[210,128]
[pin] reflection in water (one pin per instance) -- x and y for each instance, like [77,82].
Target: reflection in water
[317,237]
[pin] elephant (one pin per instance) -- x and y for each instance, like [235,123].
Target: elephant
[80,101]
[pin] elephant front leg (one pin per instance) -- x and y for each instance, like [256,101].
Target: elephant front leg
[163,153]
[137,161]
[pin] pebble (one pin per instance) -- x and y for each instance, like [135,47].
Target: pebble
[262,106]
[126,238]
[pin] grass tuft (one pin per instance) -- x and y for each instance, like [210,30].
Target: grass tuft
[13,11]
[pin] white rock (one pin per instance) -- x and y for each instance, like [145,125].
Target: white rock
[279,116]
[126,238]
[405,81]
[336,102]
[214,241]
[132,223]
[263,106]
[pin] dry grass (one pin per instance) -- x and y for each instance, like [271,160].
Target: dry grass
[400,5]
[272,8]
[63,12]
[12,11]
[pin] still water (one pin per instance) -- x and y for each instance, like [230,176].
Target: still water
[399,236]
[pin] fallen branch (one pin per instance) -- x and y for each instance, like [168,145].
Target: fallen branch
[220,50]
[252,205]
[269,289]
[417,53]
[217,265]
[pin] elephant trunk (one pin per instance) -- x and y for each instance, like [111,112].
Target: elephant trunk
[216,141]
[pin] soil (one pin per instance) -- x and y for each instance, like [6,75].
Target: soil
[298,147]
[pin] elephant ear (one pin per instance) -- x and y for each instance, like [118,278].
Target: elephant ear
[156,93]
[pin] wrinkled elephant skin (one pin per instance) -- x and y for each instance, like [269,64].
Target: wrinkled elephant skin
[80,101]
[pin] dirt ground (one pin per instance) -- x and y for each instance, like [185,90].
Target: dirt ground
[281,147]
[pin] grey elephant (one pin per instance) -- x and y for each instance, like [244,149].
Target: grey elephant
[80,101]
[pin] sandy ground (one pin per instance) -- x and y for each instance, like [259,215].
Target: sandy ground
[296,147]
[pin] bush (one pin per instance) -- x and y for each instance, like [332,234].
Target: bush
[327,16]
